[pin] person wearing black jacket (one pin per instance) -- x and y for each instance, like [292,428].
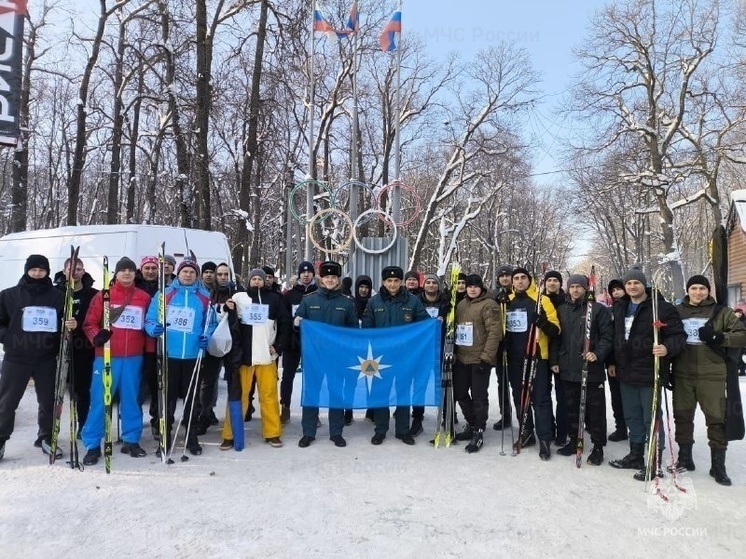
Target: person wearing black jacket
[567,355]
[554,292]
[437,304]
[81,363]
[146,279]
[634,357]
[291,353]
[504,289]
[363,292]
[31,314]
[616,289]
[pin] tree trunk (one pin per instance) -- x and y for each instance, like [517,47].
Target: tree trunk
[112,198]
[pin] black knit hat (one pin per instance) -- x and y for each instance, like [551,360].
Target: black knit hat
[392,272]
[553,274]
[461,276]
[698,280]
[521,271]
[209,266]
[505,270]
[412,274]
[615,284]
[474,280]
[36,261]
[305,266]
[330,268]
[268,270]
[125,263]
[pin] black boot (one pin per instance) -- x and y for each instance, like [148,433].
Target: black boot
[684,462]
[633,461]
[416,427]
[193,445]
[596,457]
[570,448]
[717,470]
[619,435]
[92,456]
[545,451]
[504,423]
[477,440]
[656,472]
[527,438]
[466,434]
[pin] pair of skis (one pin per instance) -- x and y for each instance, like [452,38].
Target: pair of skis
[444,434]
[64,360]
[590,299]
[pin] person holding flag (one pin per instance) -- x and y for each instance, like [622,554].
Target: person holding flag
[329,305]
[393,305]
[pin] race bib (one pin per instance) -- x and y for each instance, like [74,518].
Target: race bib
[255,314]
[517,321]
[130,319]
[465,334]
[180,319]
[628,320]
[432,311]
[39,319]
[691,327]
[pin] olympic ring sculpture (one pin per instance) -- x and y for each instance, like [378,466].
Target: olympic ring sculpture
[406,188]
[301,218]
[379,213]
[339,245]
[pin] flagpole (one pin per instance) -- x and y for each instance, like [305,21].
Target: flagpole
[396,205]
[311,160]
[354,152]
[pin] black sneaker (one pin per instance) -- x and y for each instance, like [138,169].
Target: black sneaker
[46,448]
[477,440]
[569,449]
[227,444]
[38,441]
[194,447]
[504,423]
[134,450]
[596,457]
[305,441]
[406,439]
[213,419]
[338,440]
[377,439]
[640,474]
[92,457]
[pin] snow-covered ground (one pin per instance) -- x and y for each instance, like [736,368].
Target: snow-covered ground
[359,501]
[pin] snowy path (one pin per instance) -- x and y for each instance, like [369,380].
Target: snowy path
[360,501]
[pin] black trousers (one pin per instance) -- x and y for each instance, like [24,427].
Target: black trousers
[616,404]
[595,409]
[470,386]
[179,376]
[82,373]
[14,378]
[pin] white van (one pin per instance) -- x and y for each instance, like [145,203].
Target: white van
[113,241]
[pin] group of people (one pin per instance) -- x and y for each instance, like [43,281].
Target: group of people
[537,337]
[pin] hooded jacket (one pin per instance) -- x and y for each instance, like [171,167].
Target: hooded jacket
[362,302]
[29,347]
[195,299]
[483,313]
[700,360]
[633,338]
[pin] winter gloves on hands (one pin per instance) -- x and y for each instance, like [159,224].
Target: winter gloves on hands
[100,339]
[708,335]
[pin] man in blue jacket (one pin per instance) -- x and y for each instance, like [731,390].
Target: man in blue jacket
[187,304]
[393,305]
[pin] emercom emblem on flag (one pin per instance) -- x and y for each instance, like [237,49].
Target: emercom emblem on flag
[374,367]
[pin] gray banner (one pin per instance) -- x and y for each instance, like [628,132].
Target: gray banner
[12,14]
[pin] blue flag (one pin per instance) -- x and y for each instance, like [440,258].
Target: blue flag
[350,368]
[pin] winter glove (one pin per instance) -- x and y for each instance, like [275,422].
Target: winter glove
[708,335]
[666,378]
[502,296]
[100,339]
[543,324]
[485,367]
[158,330]
[203,342]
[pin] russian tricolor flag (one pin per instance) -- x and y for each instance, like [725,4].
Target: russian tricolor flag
[388,39]
[353,22]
